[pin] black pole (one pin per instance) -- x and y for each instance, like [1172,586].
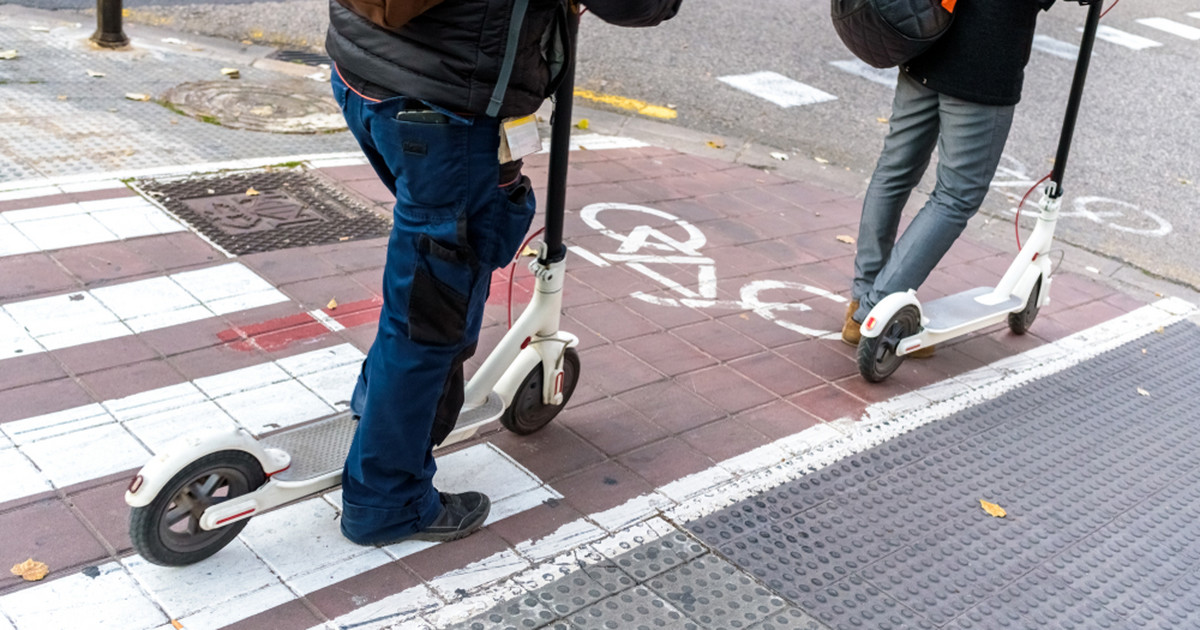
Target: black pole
[560,149]
[108,25]
[1081,70]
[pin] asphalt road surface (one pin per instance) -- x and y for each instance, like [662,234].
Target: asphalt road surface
[1132,183]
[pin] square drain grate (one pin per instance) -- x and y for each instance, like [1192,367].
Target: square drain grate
[247,213]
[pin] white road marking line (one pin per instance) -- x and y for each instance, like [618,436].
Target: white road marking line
[72,319]
[508,573]
[588,256]
[1172,27]
[858,67]
[1055,47]
[91,441]
[325,320]
[777,88]
[111,599]
[1121,38]
[1195,14]
[82,223]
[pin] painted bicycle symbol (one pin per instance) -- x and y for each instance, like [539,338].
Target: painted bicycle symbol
[674,245]
[1013,180]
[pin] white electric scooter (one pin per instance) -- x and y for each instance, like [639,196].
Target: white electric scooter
[198,494]
[900,325]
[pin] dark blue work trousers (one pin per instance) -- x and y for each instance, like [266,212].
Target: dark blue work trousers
[453,224]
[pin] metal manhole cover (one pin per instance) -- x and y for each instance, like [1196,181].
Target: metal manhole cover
[285,209]
[288,107]
[301,56]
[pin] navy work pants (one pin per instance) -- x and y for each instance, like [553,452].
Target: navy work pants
[454,223]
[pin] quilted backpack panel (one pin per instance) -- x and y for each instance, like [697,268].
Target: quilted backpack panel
[887,33]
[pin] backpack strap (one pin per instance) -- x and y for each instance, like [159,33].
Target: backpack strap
[510,56]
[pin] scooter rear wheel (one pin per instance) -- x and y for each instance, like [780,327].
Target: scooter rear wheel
[877,357]
[528,413]
[1020,321]
[167,531]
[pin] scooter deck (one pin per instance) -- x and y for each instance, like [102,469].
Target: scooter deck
[316,448]
[320,447]
[955,310]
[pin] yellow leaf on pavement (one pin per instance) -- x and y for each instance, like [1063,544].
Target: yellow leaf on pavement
[993,509]
[31,570]
[331,305]
[582,124]
[846,238]
[137,96]
[8,54]
[716,143]
[250,192]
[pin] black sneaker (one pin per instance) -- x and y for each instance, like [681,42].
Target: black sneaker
[461,515]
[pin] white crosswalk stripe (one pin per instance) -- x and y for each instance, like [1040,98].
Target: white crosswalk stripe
[1122,38]
[858,67]
[1055,47]
[61,321]
[778,89]
[1172,27]
[83,223]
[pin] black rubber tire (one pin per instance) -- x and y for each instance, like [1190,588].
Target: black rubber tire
[877,357]
[1020,321]
[527,413]
[154,528]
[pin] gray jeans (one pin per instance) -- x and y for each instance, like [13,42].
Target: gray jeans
[970,138]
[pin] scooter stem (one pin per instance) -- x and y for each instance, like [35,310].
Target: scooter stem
[1076,96]
[560,147]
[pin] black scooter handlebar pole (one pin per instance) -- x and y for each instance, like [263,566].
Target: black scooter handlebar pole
[1081,70]
[560,148]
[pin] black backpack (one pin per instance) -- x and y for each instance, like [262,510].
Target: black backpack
[886,33]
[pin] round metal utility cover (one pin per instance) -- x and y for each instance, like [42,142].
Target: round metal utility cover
[288,107]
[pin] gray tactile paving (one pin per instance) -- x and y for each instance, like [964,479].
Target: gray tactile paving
[524,613]
[638,608]
[854,603]
[715,594]
[582,588]
[1101,484]
[652,558]
[790,618]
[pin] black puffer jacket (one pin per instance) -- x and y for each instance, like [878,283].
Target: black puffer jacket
[982,57]
[451,55]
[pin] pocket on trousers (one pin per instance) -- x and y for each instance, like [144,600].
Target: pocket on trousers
[503,228]
[437,313]
[433,167]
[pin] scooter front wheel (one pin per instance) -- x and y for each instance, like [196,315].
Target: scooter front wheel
[877,357]
[167,531]
[1020,321]
[528,412]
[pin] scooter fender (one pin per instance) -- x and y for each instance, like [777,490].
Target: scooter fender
[152,477]
[529,358]
[882,313]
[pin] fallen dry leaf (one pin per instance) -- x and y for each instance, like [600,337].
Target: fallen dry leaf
[62,97]
[94,74]
[8,54]
[881,120]
[1142,392]
[1160,330]
[331,305]
[993,509]
[175,624]
[582,124]
[232,73]
[716,143]
[846,238]
[31,570]
[821,160]
[782,157]
[250,192]
[137,96]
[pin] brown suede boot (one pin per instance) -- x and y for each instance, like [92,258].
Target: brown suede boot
[851,333]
